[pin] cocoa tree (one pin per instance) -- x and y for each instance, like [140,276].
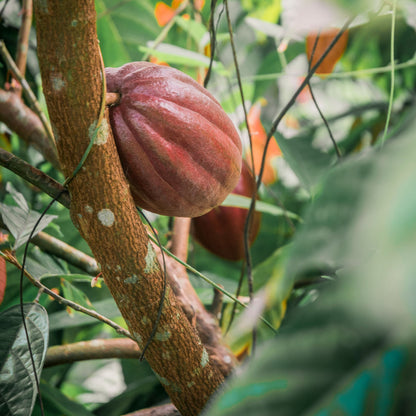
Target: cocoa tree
[342,285]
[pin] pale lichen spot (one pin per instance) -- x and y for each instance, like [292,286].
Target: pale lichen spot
[163,335]
[117,268]
[227,359]
[74,23]
[138,337]
[106,217]
[190,384]
[58,83]
[145,320]
[166,355]
[89,209]
[101,134]
[150,259]
[204,358]
[131,279]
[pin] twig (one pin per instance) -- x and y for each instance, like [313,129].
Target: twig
[23,39]
[392,73]
[162,410]
[292,100]
[27,90]
[64,251]
[91,350]
[338,152]
[11,259]
[26,124]
[34,176]
[212,42]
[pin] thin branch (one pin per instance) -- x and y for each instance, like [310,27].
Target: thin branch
[26,124]
[213,41]
[163,410]
[27,91]
[23,39]
[34,176]
[64,251]
[11,259]
[290,103]
[338,152]
[91,350]
[392,73]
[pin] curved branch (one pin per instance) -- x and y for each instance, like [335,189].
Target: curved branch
[34,176]
[26,124]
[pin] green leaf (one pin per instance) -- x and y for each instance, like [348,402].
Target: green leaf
[57,404]
[61,319]
[196,29]
[20,220]
[17,381]
[362,325]
[71,292]
[308,163]
[312,360]
[240,201]
[122,27]
[176,55]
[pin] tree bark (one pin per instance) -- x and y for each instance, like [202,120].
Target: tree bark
[103,209]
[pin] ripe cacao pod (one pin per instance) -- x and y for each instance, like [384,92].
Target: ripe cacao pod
[221,230]
[180,151]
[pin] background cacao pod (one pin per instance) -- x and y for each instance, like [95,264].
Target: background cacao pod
[180,151]
[221,230]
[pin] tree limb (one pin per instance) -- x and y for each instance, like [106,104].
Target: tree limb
[92,350]
[103,209]
[26,124]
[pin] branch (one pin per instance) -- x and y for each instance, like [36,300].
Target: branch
[103,208]
[92,350]
[23,39]
[34,176]
[163,410]
[27,91]
[26,124]
[11,259]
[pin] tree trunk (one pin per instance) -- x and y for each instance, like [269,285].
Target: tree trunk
[102,207]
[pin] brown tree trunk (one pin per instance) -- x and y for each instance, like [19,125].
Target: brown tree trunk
[102,207]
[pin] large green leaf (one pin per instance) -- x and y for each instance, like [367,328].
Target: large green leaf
[308,162]
[363,325]
[57,404]
[20,219]
[123,26]
[17,381]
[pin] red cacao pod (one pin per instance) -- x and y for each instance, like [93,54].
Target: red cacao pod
[180,151]
[221,230]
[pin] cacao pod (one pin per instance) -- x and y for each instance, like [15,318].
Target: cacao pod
[180,151]
[221,230]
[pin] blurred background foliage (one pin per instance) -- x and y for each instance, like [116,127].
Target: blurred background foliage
[333,266]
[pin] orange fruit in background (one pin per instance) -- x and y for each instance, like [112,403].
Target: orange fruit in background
[324,40]
[258,139]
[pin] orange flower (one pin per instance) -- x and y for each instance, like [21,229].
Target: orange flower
[164,13]
[258,138]
[324,40]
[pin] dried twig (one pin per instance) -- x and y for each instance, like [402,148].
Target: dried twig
[11,259]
